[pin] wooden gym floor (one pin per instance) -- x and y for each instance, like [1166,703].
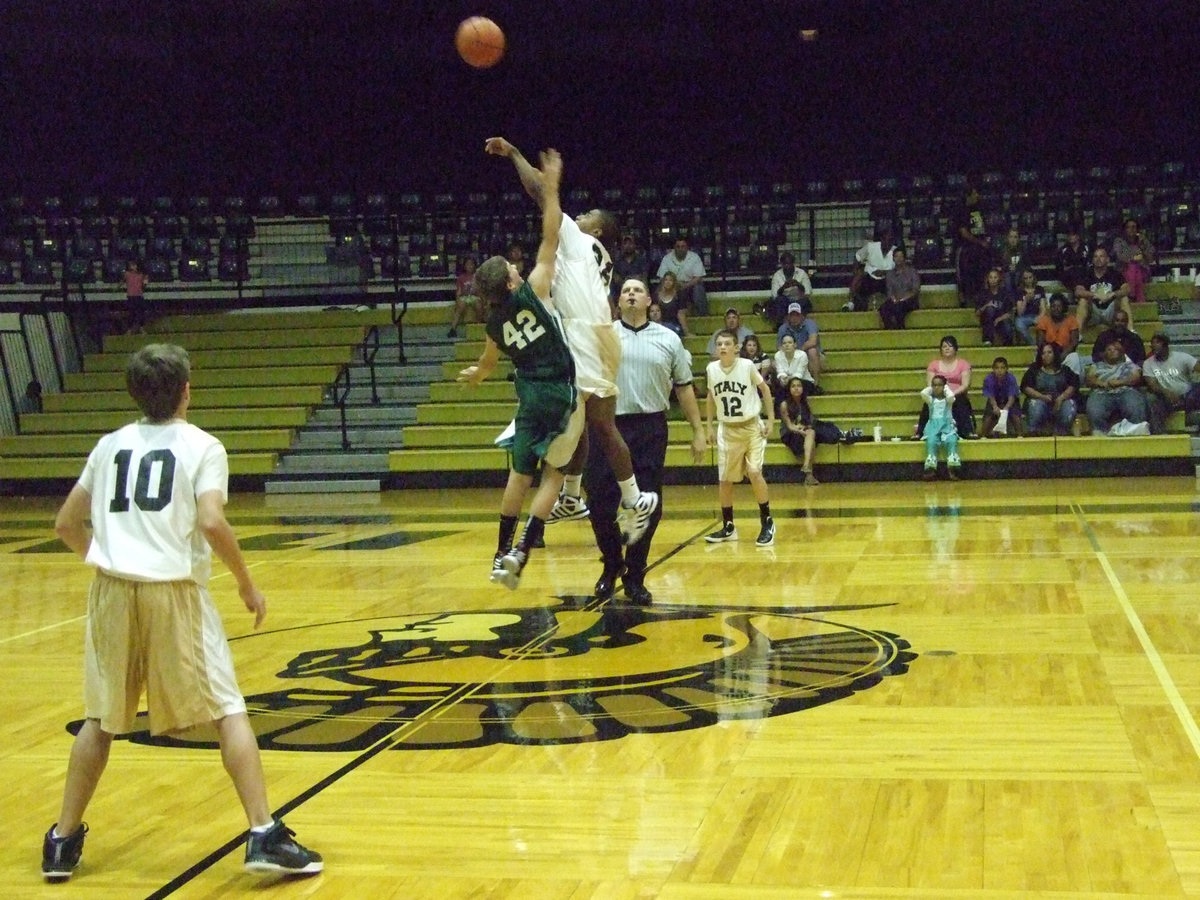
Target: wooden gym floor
[981,689]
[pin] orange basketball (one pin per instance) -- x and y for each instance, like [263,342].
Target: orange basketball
[480,42]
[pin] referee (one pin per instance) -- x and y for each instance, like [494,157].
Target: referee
[653,360]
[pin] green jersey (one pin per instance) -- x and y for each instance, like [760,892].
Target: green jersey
[530,335]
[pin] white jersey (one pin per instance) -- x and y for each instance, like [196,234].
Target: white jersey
[735,391]
[582,273]
[144,480]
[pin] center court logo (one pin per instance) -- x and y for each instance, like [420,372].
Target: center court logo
[562,674]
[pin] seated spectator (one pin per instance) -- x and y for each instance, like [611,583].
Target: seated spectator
[994,308]
[807,336]
[1061,328]
[674,311]
[1114,381]
[940,430]
[873,261]
[629,263]
[753,351]
[1013,259]
[1001,401]
[1132,343]
[654,314]
[1030,304]
[1073,259]
[465,298]
[733,322]
[791,362]
[516,256]
[1135,255]
[972,252]
[31,400]
[689,272]
[956,372]
[1167,375]
[800,431]
[1102,290]
[790,284]
[1051,392]
[902,286]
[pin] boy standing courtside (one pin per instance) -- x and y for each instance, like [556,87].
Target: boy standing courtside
[155,492]
[521,320]
[738,393]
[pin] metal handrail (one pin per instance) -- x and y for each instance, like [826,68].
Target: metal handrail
[367,350]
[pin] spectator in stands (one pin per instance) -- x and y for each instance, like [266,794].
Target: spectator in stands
[1114,381]
[631,262]
[1013,259]
[674,311]
[956,372]
[790,284]
[516,256]
[733,322]
[803,328]
[995,309]
[1167,375]
[791,362]
[1134,254]
[1101,292]
[902,291]
[973,253]
[465,298]
[135,297]
[753,351]
[1051,390]
[800,431]
[1131,342]
[1073,259]
[31,400]
[654,314]
[1060,328]
[872,262]
[1001,401]
[689,272]
[940,430]
[1030,304]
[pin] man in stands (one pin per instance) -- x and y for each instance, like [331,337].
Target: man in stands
[1102,290]
[689,272]
[1135,348]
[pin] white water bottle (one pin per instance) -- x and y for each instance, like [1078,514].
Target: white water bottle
[878,434]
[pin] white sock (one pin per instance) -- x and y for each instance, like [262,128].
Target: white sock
[629,490]
[263,829]
[571,485]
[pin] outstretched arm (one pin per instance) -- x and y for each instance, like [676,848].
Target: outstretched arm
[531,178]
[543,270]
[484,367]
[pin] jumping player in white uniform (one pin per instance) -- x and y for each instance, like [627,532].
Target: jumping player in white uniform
[737,394]
[155,492]
[582,274]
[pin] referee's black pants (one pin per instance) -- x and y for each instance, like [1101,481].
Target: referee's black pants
[646,435]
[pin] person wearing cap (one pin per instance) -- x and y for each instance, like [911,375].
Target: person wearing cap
[733,322]
[1167,377]
[804,331]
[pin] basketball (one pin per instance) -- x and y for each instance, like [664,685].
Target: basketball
[480,42]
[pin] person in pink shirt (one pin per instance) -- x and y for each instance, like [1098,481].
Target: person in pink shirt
[957,372]
[135,297]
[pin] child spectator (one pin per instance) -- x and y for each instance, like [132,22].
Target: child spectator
[465,297]
[801,431]
[940,430]
[752,350]
[736,387]
[1002,408]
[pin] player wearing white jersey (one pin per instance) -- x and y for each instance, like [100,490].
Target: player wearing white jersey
[155,493]
[737,394]
[583,270]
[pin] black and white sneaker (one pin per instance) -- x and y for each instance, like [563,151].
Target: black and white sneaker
[511,566]
[766,537]
[634,520]
[725,533]
[498,573]
[275,850]
[568,509]
[61,855]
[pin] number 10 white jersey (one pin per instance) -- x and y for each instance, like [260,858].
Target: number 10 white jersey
[144,480]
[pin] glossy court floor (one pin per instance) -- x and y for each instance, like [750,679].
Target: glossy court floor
[921,691]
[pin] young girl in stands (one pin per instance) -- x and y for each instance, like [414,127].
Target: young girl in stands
[940,430]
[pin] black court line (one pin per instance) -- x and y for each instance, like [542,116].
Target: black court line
[386,742]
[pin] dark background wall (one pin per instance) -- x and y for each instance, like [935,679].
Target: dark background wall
[216,95]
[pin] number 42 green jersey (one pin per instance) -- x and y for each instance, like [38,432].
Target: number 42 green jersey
[531,336]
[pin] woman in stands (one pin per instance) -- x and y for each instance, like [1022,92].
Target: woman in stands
[1135,256]
[957,372]
[1030,304]
[465,297]
[800,431]
[791,363]
[1050,390]
[674,309]
[753,351]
